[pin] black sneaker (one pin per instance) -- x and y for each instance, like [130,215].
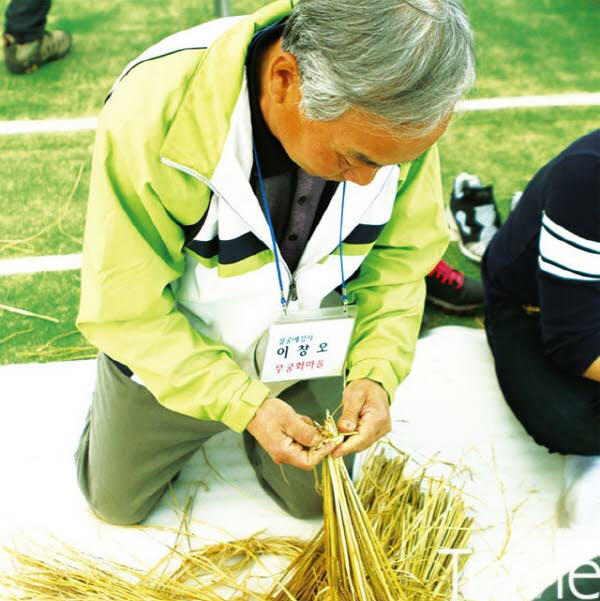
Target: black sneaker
[452,291]
[472,215]
[30,56]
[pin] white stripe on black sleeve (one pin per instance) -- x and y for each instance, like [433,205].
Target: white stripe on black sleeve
[566,255]
[561,232]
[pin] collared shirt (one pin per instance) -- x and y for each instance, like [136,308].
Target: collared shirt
[296,199]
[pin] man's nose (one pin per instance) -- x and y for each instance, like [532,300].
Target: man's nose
[361,175]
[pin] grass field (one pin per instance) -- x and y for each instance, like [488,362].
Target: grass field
[538,47]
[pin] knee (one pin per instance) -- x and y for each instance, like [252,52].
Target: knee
[119,514]
[306,510]
[119,508]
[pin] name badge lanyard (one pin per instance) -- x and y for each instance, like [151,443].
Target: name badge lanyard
[284,301]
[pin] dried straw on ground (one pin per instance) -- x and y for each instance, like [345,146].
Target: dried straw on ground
[379,542]
[68,574]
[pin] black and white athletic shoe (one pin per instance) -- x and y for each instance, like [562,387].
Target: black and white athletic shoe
[514,199]
[472,215]
[453,292]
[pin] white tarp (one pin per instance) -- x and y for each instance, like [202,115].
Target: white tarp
[449,407]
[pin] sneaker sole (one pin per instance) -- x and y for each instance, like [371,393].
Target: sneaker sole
[455,237]
[451,309]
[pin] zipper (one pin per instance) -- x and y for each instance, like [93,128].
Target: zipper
[292,291]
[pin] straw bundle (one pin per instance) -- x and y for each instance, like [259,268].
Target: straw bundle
[415,518]
[382,540]
[346,562]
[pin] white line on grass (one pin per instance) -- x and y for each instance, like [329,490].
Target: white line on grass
[46,126]
[515,102]
[37,264]
[71,262]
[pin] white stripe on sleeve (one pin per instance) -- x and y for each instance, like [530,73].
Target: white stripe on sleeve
[563,273]
[568,256]
[560,231]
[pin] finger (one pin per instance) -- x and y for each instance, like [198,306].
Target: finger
[369,432]
[354,399]
[308,459]
[307,420]
[302,432]
[353,445]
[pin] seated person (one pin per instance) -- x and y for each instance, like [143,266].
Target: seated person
[541,274]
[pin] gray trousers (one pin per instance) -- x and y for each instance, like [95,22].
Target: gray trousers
[132,447]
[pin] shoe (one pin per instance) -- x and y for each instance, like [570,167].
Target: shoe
[29,56]
[453,292]
[580,502]
[514,199]
[472,215]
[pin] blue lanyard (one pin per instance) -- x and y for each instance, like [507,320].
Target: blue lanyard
[284,301]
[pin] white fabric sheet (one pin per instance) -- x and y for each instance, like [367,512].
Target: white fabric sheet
[449,407]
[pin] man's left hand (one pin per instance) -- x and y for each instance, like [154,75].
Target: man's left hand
[366,408]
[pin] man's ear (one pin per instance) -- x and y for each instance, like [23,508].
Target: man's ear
[284,79]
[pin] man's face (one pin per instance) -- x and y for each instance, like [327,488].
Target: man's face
[350,148]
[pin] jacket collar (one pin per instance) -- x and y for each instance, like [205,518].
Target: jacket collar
[201,125]
[211,135]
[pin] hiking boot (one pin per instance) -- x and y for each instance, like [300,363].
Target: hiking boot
[29,56]
[472,215]
[453,292]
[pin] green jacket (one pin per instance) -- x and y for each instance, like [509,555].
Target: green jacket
[173,151]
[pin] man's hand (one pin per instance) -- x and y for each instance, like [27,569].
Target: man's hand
[287,436]
[366,408]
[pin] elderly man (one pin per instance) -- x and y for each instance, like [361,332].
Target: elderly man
[247,168]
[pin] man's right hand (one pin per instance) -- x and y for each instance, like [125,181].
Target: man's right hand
[287,436]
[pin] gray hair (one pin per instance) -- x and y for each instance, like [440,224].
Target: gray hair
[406,62]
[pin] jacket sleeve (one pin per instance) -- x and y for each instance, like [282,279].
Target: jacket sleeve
[133,251]
[390,289]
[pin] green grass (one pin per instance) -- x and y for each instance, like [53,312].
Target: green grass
[533,47]
[25,339]
[45,183]
[537,47]
[107,35]
[505,148]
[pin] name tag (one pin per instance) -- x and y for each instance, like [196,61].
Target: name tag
[308,344]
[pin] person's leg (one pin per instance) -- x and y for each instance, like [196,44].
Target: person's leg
[26,19]
[27,45]
[583,583]
[132,447]
[560,411]
[292,488]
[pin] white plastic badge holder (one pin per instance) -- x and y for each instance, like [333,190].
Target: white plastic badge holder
[308,344]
